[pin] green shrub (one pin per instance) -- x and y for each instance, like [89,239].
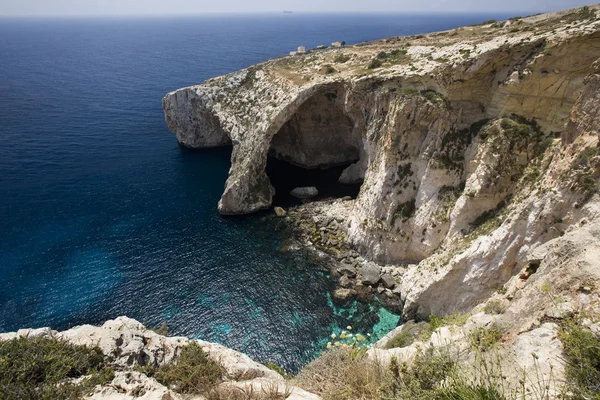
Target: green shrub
[586,12]
[451,319]
[410,92]
[433,96]
[193,372]
[485,339]
[341,59]
[582,351]
[330,70]
[374,64]
[163,330]
[494,307]
[397,52]
[278,368]
[581,175]
[39,368]
[422,379]
[409,334]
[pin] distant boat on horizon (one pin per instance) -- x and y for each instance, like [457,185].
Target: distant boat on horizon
[287,12]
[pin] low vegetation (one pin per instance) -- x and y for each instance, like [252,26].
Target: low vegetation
[344,373]
[582,356]
[192,373]
[45,368]
[341,59]
[278,368]
[330,70]
[422,331]
[374,64]
[495,307]
[583,172]
[485,338]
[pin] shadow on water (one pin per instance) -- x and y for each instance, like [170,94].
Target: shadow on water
[285,177]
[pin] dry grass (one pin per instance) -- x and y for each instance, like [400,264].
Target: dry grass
[267,392]
[343,373]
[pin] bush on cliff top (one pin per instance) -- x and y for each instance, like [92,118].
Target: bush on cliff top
[347,373]
[192,373]
[41,368]
[582,351]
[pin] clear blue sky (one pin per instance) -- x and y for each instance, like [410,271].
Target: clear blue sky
[160,7]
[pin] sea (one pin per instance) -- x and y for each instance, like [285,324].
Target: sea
[102,214]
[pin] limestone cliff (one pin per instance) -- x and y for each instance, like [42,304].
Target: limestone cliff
[475,146]
[131,349]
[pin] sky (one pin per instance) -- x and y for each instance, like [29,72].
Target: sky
[164,7]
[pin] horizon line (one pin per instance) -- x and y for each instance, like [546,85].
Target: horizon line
[282,13]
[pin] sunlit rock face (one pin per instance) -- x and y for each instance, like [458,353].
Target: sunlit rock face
[468,144]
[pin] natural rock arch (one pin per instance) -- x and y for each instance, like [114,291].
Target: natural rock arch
[319,134]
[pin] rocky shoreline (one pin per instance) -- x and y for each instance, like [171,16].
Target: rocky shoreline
[318,226]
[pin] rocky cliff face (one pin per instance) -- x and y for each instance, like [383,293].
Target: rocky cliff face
[474,146]
[477,149]
[131,347]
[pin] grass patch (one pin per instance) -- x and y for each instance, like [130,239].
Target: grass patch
[582,352]
[40,368]
[422,331]
[456,319]
[343,373]
[485,339]
[162,330]
[582,175]
[410,333]
[494,307]
[341,58]
[192,373]
[374,64]
[435,375]
[278,368]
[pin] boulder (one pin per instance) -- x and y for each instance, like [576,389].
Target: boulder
[347,269]
[345,281]
[370,274]
[305,192]
[344,294]
[280,212]
[387,280]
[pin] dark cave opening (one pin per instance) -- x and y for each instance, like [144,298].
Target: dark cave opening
[285,177]
[313,148]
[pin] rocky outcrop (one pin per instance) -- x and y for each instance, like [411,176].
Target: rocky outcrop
[129,345]
[475,147]
[558,281]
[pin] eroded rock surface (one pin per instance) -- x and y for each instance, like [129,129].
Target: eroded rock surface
[475,147]
[128,344]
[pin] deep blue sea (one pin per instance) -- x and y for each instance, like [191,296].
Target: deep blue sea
[102,214]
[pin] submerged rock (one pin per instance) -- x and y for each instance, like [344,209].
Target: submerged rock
[344,294]
[305,192]
[345,281]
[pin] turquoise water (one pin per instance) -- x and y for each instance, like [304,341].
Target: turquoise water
[102,214]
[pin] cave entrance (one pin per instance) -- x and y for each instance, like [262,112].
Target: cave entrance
[313,148]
